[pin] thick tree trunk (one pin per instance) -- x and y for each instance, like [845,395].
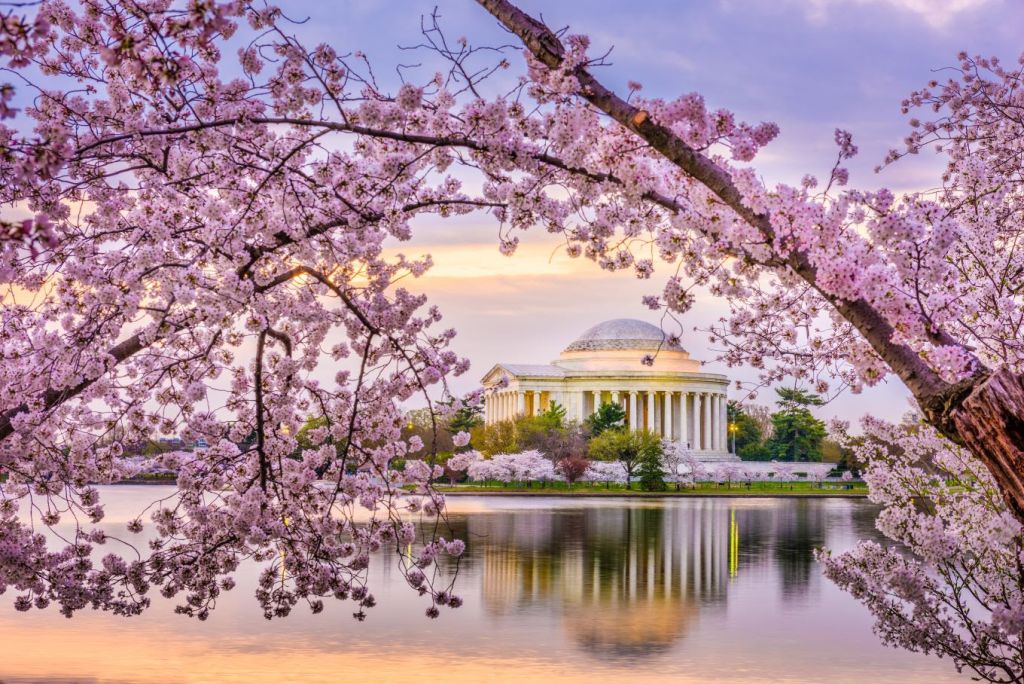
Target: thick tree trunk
[990,422]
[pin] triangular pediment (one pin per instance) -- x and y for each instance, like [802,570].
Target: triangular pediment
[496,375]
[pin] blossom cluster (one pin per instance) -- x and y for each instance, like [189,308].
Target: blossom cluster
[208,236]
[525,466]
[950,583]
[220,263]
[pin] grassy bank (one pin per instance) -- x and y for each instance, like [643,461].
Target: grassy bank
[152,478]
[785,489]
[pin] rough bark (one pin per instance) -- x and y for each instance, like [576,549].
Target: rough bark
[984,413]
[990,422]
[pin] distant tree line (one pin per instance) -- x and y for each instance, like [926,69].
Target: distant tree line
[571,446]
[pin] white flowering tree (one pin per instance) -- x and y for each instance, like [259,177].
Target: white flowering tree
[952,586]
[525,466]
[208,229]
[605,471]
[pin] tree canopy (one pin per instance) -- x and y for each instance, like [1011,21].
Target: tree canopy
[606,417]
[797,434]
[208,228]
[744,429]
[631,448]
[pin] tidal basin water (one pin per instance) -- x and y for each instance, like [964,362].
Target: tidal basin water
[555,590]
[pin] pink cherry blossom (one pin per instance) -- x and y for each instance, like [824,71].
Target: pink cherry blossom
[231,212]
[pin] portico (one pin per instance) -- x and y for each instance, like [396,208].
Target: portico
[672,398]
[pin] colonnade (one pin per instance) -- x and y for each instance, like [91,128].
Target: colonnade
[695,419]
[505,405]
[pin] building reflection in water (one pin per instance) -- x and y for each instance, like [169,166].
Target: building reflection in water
[628,581]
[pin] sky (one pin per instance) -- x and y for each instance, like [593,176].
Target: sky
[808,65]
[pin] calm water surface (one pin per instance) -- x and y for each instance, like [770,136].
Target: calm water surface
[556,590]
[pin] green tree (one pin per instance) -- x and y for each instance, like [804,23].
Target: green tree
[790,398]
[797,434]
[759,451]
[744,429]
[466,418]
[554,417]
[629,447]
[606,417]
[534,432]
[501,437]
[652,475]
[543,432]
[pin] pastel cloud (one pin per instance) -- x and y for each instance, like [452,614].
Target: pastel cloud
[938,14]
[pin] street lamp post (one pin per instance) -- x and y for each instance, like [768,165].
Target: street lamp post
[732,430]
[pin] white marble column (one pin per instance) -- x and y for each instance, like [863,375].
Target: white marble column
[520,403]
[707,420]
[666,413]
[633,424]
[615,398]
[725,421]
[597,400]
[695,414]
[684,435]
[716,407]
[659,414]
[715,420]
[650,425]
[695,437]
[712,423]
[536,403]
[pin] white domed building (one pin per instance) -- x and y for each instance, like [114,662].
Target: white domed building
[604,365]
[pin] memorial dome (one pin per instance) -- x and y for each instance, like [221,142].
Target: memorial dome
[622,334]
[622,344]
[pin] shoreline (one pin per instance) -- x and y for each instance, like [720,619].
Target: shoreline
[615,493]
[662,495]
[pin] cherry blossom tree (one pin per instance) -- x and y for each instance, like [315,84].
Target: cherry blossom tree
[207,233]
[463,460]
[529,466]
[525,466]
[605,471]
[953,585]
[728,473]
[672,456]
[824,283]
[214,248]
[693,470]
[784,471]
